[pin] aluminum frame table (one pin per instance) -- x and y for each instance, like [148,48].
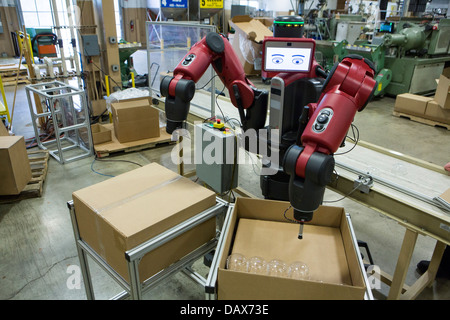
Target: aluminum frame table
[136,287]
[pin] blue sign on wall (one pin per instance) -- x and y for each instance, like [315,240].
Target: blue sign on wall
[182,4]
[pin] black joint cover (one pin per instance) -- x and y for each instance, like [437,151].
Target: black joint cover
[215,42]
[367,61]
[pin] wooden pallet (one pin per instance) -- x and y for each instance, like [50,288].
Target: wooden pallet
[13,82]
[422,120]
[39,167]
[114,146]
[9,74]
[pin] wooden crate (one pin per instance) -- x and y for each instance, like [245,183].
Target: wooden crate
[39,167]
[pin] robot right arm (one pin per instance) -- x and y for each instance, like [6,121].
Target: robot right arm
[215,50]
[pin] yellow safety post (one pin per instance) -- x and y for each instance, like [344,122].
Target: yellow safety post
[4,107]
[107,94]
[107,85]
[31,52]
[132,80]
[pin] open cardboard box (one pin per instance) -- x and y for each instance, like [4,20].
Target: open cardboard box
[442,96]
[247,41]
[258,228]
[100,134]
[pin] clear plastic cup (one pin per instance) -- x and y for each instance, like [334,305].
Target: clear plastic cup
[257,265]
[299,270]
[237,262]
[277,268]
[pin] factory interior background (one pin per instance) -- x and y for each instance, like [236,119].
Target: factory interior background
[124,168]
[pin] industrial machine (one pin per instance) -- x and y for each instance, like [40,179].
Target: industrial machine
[416,54]
[45,44]
[408,57]
[320,125]
[126,51]
[298,82]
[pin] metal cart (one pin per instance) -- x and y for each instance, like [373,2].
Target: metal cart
[136,287]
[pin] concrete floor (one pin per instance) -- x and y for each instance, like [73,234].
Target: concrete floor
[37,248]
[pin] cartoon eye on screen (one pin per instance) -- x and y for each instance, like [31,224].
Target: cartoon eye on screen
[297,59]
[277,58]
[288,56]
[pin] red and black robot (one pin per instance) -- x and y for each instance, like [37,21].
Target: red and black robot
[313,130]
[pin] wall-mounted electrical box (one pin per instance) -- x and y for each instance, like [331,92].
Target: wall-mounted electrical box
[90,45]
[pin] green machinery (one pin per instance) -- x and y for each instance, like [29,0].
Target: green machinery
[417,55]
[126,61]
[407,60]
[330,52]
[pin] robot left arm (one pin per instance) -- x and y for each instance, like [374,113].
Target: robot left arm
[310,163]
[215,50]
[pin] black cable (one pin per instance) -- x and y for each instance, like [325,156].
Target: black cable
[117,160]
[202,87]
[104,73]
[217,103]
[111,160]
[289,219]
[235,119]
[348,194]
[355,140]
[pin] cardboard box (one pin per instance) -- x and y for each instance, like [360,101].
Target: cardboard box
[120,213]
[411,104]
[327,248]
[267,21]
[135,120]
[247,42]
[446,72]
[15,171]
[442,96]
[436,113]
[100,134]
[3,130]
[99,107]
